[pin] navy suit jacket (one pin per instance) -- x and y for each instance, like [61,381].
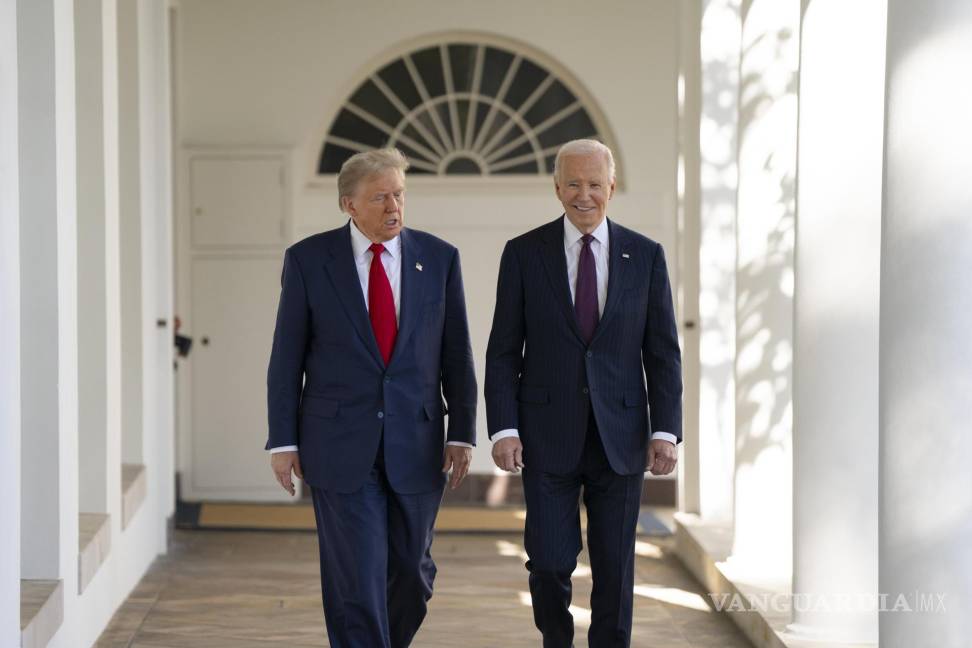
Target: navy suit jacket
[547,389]
[328,389]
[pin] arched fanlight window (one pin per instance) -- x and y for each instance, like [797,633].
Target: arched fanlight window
[460,108]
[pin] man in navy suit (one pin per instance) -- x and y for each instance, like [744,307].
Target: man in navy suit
[583,389]
[371,333]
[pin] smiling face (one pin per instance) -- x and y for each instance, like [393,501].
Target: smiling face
[377,205]
[584,186]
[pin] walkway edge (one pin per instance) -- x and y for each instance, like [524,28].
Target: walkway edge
[703,548]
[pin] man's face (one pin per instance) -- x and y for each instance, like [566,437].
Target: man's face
[584,186]
[378,205]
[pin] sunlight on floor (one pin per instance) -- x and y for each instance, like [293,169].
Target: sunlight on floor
[582,615]
[511,549]
[647,550]
[673,595]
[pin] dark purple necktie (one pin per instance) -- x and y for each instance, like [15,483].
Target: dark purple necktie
[585,293]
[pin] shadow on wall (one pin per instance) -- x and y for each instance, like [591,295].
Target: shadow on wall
[719,54]
[764,277]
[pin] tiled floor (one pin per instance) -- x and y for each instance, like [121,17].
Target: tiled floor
[261,589]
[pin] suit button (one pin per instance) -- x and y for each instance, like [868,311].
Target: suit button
[590,354]
[381,415]
[586,390]
[387,380]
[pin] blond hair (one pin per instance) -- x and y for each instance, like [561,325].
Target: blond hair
[361,166]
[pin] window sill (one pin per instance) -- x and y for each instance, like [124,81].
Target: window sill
[133,491]
[41,611]
[94,541]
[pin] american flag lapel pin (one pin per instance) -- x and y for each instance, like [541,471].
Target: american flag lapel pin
[418,266]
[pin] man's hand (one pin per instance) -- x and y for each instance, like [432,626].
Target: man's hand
[457,458]
[662,456]
[282,463]
[508,454]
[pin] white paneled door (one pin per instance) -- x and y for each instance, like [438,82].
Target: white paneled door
[231,248]
[237,201]
[234,302]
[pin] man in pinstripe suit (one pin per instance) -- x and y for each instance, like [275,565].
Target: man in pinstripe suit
[583,389]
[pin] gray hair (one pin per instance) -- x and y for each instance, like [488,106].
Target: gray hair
[583,147]
[366,164]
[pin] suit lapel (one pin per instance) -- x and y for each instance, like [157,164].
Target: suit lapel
[413,283]
[555,263]
[617,264]
[343,272]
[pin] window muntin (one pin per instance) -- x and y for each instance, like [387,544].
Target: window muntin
[460,109]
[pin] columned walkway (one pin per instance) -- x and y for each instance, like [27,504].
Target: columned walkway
[257,590]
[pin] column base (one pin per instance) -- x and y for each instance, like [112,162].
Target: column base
[758,603]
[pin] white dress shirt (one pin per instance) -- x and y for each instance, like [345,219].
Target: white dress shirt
[391,259]
[601,251]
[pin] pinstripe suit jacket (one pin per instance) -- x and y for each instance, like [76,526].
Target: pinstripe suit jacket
[542,379]
[328,389]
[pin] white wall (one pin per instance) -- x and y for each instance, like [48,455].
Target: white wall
[9,329]
[260,74]
[91,255]
[48,289]
[130,215]
[134,548]
[47,323]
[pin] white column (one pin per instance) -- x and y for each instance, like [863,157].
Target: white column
[718,176]
[92,279]
[112,262]
[926,326]
[835,368]
[65,186]
[9,331]
[687,291]
[764,286]
[155,112]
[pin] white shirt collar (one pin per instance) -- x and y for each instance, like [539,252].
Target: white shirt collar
[361,243]
[572,234]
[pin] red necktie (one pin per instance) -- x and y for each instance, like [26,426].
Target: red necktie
[381,305]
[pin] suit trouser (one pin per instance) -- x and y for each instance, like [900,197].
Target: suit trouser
[553,541]
[376,563]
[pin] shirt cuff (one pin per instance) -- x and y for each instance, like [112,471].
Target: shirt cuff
[290,448]
[665,436]
[506,434]
[459,443]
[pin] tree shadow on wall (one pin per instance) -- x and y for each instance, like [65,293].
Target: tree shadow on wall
[766,218]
